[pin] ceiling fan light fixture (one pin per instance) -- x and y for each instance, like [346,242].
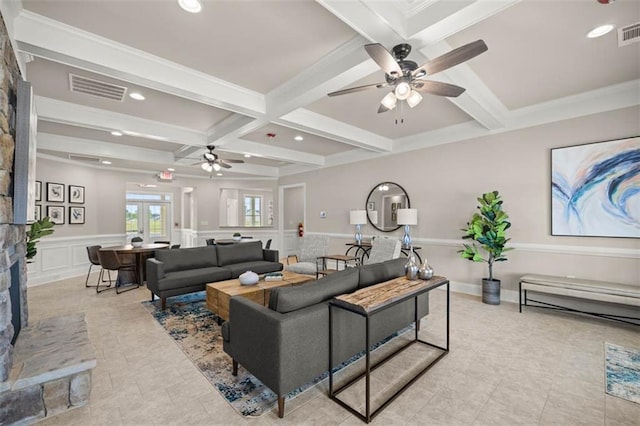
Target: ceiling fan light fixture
[389,101]
[191,6]
[403,90]
[207,167]
[414,98]
[216,167]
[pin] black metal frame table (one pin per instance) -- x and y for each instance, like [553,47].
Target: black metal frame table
[365,247]
[369,301]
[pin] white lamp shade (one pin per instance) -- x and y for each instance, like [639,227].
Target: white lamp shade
[407,217]
[358,217]
[373,216]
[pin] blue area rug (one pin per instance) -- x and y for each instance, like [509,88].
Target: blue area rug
[194,328]
[622,370]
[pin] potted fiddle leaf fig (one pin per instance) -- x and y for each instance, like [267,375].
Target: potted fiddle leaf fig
[38,229]
[488,228]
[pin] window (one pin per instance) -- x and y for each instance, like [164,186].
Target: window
[252,210]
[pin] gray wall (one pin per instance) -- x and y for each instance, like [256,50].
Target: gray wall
[444,181]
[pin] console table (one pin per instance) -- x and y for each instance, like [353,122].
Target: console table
[369,301]
[362,250]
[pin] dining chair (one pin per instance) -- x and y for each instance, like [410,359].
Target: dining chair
[110,260]
[175,246]
[211,241]
[162,242]
[268,245]
[92,253]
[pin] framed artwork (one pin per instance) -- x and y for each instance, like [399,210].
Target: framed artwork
[38,190]
[595,189]
[37,215]
[76,215]
[56,213]
[55,192]
[371,205]
[76,194]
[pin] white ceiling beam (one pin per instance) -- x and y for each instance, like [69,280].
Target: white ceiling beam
[77,115]
[78,146]
[273,152]
[317,124]
[52,40]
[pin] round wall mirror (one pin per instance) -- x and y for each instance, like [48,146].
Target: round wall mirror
[383,203]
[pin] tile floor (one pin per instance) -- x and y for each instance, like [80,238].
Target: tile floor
[504,368]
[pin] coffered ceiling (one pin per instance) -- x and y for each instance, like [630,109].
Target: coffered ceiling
[241,70]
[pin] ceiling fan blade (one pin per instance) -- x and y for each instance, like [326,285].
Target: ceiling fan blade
[382,109]
[357,89]
[227,160]
[199,162]
[383,58]
[223,163]
[440,88]
[455,57]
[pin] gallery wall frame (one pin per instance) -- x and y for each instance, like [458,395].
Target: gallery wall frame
[76,215]
[38,191]
[76,194]
[38,212]
[56,213]
[594,188]
[55,192]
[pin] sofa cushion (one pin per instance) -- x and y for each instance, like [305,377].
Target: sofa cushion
[187,258]
[288,299]
[190,277]
[258,266]
[229,254]
[305,268]
[380,272]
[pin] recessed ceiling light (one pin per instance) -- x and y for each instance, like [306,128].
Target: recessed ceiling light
[192,6]
[137,96]
[299,138]
[218,174]
[171,169]
[116,133]
[600,31]
[247,156]
[106,162]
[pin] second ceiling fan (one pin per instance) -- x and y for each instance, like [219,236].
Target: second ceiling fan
[407,78]
[211,161]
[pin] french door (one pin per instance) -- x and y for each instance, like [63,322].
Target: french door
[150,220]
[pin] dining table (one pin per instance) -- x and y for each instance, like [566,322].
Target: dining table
[141,254]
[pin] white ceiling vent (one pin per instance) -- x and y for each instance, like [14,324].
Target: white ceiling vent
[629,34]
[84,158]
[101,89]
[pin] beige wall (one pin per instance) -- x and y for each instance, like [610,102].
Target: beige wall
[444,181]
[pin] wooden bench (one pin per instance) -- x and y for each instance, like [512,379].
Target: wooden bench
[599,291]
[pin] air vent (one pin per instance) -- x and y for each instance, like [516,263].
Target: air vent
[89,86]
[84,158]
[629,34]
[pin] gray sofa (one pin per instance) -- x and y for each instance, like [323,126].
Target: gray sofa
[179,271]
[286,344]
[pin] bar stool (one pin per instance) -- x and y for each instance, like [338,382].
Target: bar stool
[111,261]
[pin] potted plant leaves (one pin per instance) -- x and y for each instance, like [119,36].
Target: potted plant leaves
[237,236]
[488,228]
[39,228]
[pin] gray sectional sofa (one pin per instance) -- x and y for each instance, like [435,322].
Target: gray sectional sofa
[179,271]
[286,344]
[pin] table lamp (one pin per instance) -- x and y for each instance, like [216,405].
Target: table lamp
[407,217]
[357,218]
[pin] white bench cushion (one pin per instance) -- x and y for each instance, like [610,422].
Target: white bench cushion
[586,289]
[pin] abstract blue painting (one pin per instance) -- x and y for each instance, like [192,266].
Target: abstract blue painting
[595,189]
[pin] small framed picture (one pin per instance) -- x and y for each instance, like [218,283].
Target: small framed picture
[37,212]
[76,215]
[56,213]
[55,192]
[76,194]
[38,190]
[371,205]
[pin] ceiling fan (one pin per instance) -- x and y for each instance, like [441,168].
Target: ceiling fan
[406,77]
[211,161]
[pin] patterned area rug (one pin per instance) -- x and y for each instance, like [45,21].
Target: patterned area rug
[622,369]
[193,327]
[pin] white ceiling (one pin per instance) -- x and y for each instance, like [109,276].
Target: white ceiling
[242,69]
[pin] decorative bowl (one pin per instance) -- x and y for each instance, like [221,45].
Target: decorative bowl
[136,243]
[248,278]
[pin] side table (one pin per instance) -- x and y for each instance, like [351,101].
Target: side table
[321,263]
[367,302]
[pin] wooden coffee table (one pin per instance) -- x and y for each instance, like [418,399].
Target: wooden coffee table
[219,293]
